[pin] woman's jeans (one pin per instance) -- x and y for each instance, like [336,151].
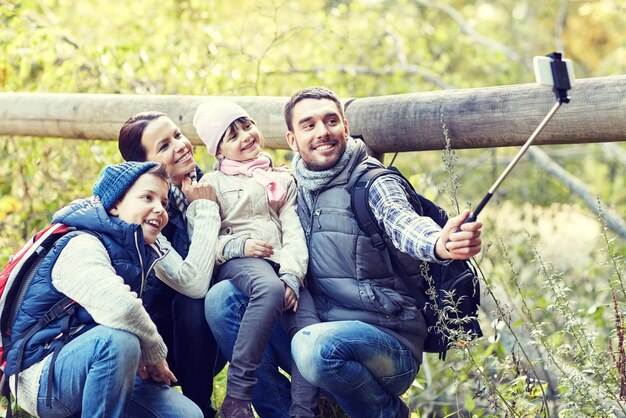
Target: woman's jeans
[364,368]
[193,355]
[96,374]
[225,306]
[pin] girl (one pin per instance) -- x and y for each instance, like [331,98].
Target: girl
[261,249]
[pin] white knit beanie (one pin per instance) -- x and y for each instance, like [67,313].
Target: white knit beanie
[213,118]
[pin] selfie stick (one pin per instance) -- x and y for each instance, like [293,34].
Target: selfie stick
[562,84]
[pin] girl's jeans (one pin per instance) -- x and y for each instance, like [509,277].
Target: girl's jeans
[258,279]
[225,306]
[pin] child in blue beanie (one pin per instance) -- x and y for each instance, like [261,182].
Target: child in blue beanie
[106,358]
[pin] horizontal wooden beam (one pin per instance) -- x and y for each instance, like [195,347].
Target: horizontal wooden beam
[474,118]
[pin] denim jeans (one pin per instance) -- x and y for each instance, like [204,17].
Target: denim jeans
[193,354]
[363,367]
[225,306]
[96,374]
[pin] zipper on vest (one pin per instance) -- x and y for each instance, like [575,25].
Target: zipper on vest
[161,254]
[143,272]
[317,214]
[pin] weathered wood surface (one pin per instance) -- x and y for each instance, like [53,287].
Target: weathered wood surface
[475,118]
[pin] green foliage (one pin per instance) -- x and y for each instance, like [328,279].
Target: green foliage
[554,291]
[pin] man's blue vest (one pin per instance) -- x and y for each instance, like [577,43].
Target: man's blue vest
[349,278]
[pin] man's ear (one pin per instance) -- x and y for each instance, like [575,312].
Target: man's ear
[345,123]
[291,140]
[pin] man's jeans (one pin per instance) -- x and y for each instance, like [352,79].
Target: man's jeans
[96,373]
[225,306]
[365,369]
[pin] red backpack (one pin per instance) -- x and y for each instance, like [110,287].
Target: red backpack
[15,279]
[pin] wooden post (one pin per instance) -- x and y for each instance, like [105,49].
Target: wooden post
[475,118]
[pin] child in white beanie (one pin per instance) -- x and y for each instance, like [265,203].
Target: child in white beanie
[262,250]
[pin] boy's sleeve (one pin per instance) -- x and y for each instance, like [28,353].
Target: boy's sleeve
[84,273]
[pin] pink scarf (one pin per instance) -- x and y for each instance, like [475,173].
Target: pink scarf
[257,169]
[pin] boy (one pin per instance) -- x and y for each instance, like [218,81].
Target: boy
[109,337]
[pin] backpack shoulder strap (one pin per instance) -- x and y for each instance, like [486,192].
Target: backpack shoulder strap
[360,203]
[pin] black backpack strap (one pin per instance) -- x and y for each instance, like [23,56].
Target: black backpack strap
[65,330]
[369,224]
[64,307]
[361,208]
[359,201]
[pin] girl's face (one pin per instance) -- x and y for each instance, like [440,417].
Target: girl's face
[145,204]
[242,143]
[164,143]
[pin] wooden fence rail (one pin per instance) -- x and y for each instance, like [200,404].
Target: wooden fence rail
[475,118]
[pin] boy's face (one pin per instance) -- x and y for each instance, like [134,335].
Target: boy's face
[144,204]
[319,133]
[164,143]
[242,143]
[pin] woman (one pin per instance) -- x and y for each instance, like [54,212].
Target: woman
[179,313]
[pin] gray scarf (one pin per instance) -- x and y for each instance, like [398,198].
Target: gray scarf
[178,197]
[313,181]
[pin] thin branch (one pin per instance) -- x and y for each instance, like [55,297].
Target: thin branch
[363,70]
[470,31]
[560,25]
[614,152]
[543,160]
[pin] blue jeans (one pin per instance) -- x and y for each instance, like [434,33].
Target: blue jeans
[96,374]
[225,306]
[365,369]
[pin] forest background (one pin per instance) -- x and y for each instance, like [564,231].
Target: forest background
[553,285]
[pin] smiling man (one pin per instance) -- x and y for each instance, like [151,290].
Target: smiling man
[368,348]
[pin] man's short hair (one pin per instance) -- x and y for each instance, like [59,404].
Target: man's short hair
[318,93]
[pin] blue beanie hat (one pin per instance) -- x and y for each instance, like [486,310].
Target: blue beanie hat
[115,180]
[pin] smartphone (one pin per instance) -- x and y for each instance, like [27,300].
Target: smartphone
[543,71]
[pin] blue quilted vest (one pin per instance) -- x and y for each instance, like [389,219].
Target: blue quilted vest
[349,278]
[130,257]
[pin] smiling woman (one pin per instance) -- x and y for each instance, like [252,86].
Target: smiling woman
[152,136]
[178,311]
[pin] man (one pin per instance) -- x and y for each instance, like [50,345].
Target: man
[368,348]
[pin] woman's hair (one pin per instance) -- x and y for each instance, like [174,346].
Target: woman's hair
[129,139]
[160,171]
